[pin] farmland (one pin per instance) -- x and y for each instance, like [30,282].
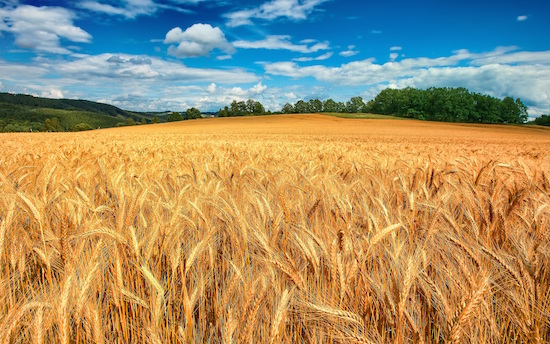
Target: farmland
[291,228]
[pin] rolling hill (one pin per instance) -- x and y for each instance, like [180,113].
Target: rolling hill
[19,112]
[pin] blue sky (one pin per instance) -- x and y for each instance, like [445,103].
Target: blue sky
[153,55]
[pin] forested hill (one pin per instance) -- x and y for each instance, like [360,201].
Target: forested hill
[62,104]
[19,112]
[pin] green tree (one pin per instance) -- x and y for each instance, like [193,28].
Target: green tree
[192,113]
[155,120]
[315,106]
[287,108]
[258,108]
[329,105]
[543,120]
[509,110]
[82,127]
[355,105]
[301,106]
[523,115]
[223,112]
[174,117]
[52,124]
[250,106]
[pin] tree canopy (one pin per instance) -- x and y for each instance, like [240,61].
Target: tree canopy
[448,105]
[543,120]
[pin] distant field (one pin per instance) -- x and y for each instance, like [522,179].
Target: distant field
[287,228]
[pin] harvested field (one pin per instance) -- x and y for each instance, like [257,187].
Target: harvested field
[302,228]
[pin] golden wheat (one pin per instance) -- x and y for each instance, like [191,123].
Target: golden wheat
[276,229]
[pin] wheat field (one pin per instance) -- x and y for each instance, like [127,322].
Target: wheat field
[279,229]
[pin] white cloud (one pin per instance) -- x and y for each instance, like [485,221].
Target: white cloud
[204,99]
[291,96]
[289,9]
[280,42]
[224,57]
[323,57]
[350,52]
[133,68]
[393,56]
[258,89]
[522,18]
[197,40]
[112,77]
[134,8]
[376,32]
[502,72]
[52,93]
[396,48]
[129,8]
[42,28]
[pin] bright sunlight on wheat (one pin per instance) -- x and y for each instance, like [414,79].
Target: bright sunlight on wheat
[279,229]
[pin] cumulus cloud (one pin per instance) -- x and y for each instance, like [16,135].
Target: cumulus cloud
[288,9]
[258,89]
[521,18]
[211,88]
[502,72]
[393,56]
[283,42]
[396,48]
[197,40]
[42,28]
[350,52]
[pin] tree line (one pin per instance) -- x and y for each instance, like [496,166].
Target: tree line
[448,105]
[434,104]
[22,113]
[242,108]
[543,120]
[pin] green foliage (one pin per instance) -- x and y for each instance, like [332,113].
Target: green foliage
[174,117]
[240,108]
[449,105]
[155,120]
[62,104]
[26,113]
[287,108]
[82,127]
[543,120]
[223,112]
[52,125]
[192,113]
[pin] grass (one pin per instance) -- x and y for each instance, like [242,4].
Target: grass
[276,229]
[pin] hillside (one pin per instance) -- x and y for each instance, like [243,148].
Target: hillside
[19,112]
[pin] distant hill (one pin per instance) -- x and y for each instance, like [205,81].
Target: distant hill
[20,112]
